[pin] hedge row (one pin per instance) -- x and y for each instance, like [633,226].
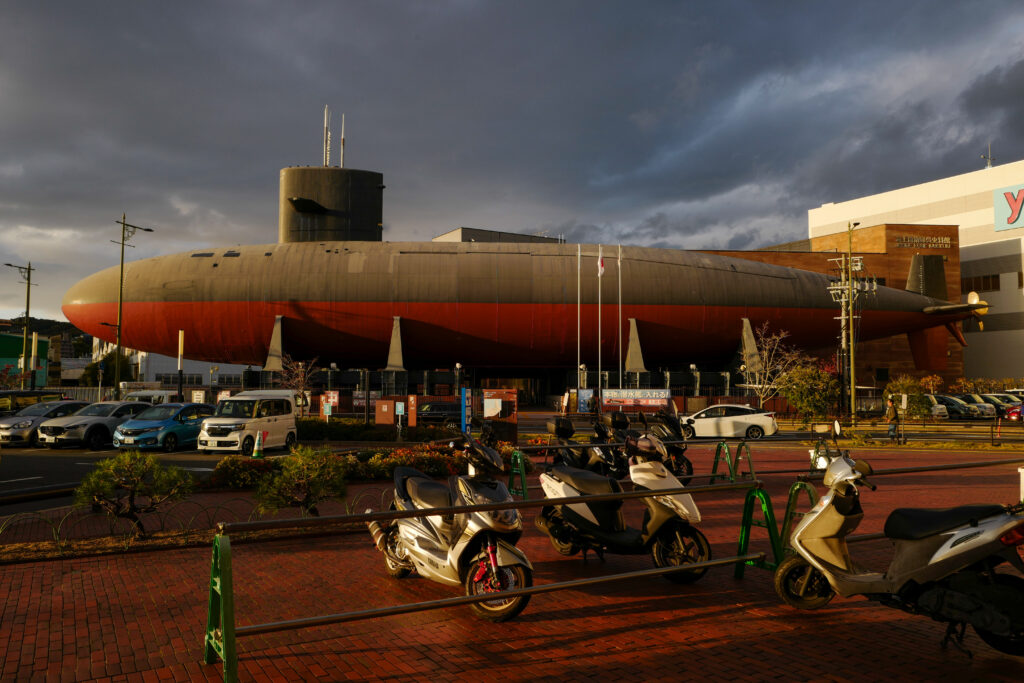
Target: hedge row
[237,472]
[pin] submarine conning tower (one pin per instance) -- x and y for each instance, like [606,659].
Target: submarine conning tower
[324,204]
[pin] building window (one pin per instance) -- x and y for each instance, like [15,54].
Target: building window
[981,283]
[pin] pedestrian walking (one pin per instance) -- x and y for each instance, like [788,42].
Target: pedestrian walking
[892,416]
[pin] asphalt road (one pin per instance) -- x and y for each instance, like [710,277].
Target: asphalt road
[27,470]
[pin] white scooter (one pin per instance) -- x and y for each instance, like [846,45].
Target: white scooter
[475,550]
[667,532]
[943,566]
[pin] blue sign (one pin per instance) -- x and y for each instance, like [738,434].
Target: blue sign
[1007,204]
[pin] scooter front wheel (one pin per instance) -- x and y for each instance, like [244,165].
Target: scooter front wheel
[802,586]
[479,581]
[678,544]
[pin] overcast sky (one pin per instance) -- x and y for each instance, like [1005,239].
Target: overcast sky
[676,124]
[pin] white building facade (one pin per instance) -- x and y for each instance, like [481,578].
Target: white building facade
[988,207]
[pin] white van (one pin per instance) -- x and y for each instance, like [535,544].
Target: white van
[239,419]
[153,396]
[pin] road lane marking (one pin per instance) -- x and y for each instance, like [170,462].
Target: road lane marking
[11,481]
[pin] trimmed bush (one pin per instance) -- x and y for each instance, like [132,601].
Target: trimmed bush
[131,484]
[307,478]
[353,429]
[236,472]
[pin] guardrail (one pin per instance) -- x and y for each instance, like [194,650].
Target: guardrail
[221,631]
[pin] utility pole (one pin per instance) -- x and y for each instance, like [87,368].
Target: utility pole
[850,299]
[127,232]
[26,273]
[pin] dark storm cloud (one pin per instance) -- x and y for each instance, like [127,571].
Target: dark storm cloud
[695,125]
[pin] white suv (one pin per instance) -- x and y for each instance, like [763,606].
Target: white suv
[239,420]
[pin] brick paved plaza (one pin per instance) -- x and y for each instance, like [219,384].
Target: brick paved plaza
[141,616]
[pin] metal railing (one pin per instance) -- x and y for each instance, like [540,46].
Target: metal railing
[221,631]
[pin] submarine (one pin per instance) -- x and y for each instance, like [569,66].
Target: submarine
[332,289]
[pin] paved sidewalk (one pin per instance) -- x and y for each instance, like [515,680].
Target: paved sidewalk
[140,617]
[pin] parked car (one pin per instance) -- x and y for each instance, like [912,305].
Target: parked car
[730,421]
[1013,412]
[22,428]
[1009,399]
[13,400]
[999,405]
[987,409]
[439,413]
[91,426]
[938,410]
[167,426]
[238,421]
[957,408]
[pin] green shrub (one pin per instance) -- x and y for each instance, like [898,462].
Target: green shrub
[353,429]
[236,472]
[306,478]
[131,484]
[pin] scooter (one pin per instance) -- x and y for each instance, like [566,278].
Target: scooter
[667,532]
[943,566]
[475,550]
[666,427]
[602,459]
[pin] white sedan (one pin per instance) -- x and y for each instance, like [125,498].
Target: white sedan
[731,421]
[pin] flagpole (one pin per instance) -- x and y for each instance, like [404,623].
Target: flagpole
[579,257]
[618,331]
[600,267]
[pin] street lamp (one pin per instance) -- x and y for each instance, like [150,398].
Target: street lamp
[26,273]
[127,232]
[582,376]
[458,371]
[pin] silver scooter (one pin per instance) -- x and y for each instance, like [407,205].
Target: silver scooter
[666,533]
[475,550]
[943,566]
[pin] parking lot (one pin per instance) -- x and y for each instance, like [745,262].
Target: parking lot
[141,616]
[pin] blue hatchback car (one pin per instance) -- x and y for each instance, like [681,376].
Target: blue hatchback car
[168,426]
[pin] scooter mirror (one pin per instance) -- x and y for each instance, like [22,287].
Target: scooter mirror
[836,429]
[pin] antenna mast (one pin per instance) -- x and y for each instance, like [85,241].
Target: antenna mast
[988,157]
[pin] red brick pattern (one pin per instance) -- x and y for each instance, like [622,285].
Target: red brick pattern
[140,617]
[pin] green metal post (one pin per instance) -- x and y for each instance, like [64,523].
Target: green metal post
[220,616]
[517,467]
[768,515]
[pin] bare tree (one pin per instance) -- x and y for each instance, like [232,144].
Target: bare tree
[297,375]
[777,358]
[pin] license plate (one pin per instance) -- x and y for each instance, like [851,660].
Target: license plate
[128,439]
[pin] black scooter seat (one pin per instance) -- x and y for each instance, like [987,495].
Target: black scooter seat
[913,524]
[585,481]
[428,494]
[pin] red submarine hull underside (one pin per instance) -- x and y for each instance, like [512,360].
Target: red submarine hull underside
[439,334]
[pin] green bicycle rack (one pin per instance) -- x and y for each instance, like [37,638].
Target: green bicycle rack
[791,513]
[767,522]
[733,464]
